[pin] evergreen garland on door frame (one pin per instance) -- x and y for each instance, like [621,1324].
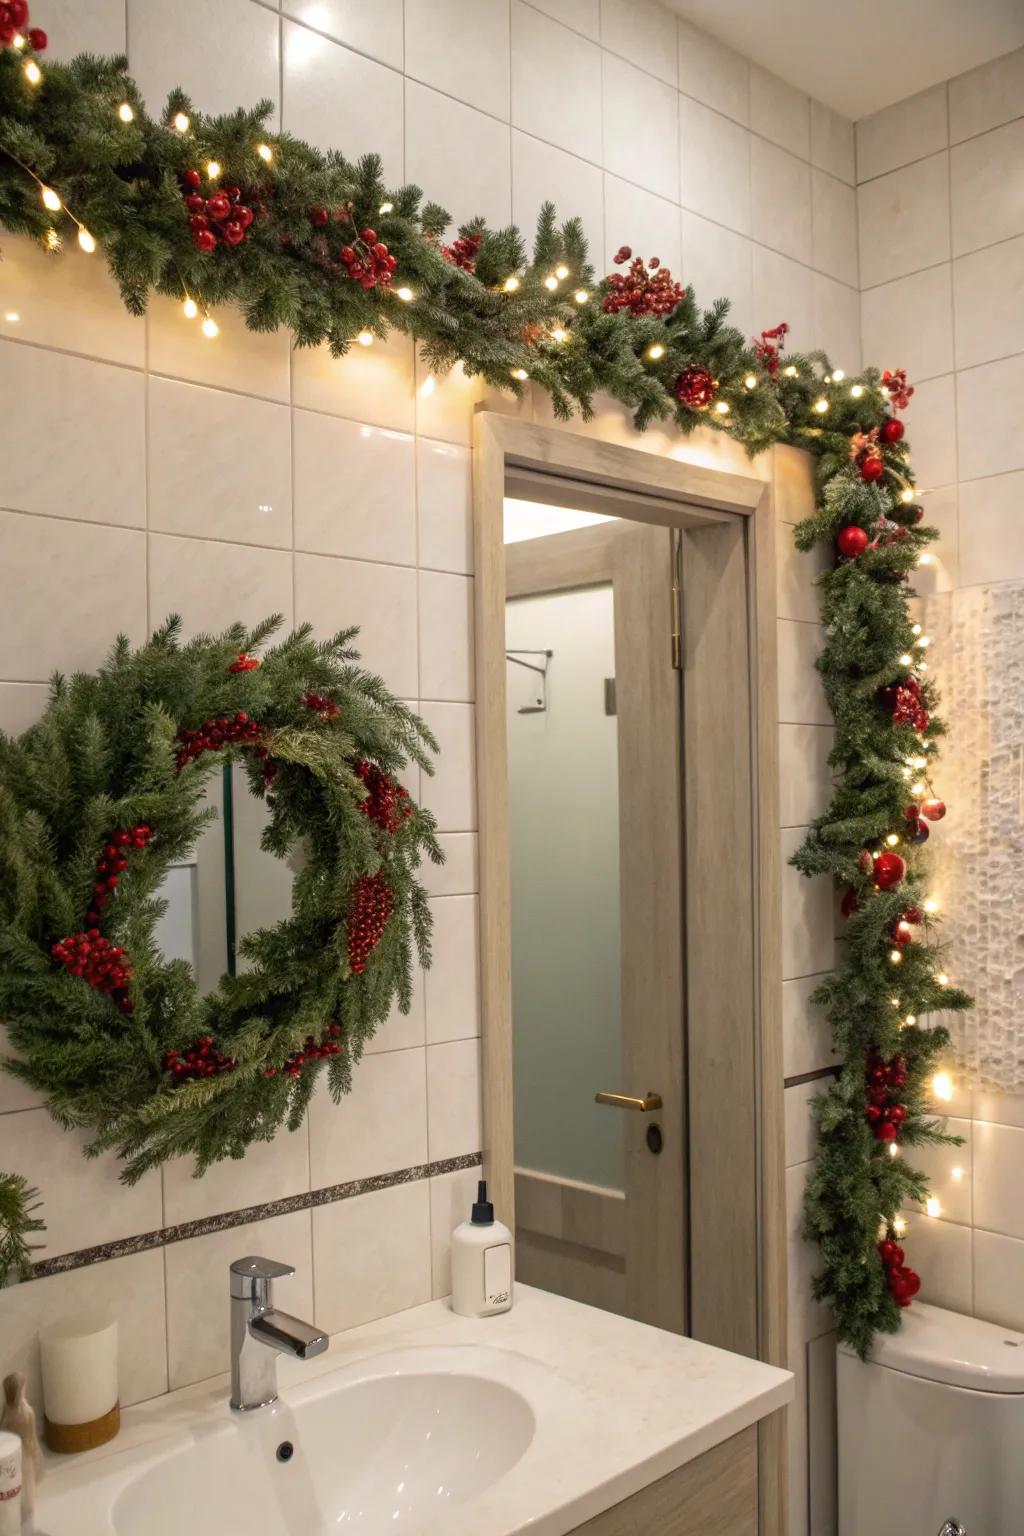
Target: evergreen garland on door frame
[210,210]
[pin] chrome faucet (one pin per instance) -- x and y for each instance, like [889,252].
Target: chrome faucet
[259,1333]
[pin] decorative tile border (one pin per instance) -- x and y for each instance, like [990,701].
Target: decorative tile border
[305,1201]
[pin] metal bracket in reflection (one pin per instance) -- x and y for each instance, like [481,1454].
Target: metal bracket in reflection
[540,708]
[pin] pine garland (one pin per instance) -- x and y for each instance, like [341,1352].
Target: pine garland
[106,791]
[321,246]
[18,1204]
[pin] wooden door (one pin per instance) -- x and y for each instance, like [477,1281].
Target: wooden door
[624,1248]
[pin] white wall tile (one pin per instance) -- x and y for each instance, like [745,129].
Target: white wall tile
[780,200]
[371,29]
[57,568]
[451,793]
[904,220]
[806,1037]
[132,1289]
[999,1280]
[911,319]
[987,188]
[460,154]
[401,1031]
[14,1094]
[837,322]
[73,28]
[191,40]
[822,1434]
[458,875]
[989,290]
[999,1108]
[940,511]
[584,16]
[369,384]
[454,1122]
[543,174]
[453,980]
[461,50]
[372,1255]
[270,1170]
[932,432]
[948,1170]
[444,490]
[445,403]
[804,772]
[218,460]
[451,1196]
[198,1340]
[648,224]
[713,74]
[779,112]
[784,290]
[211,584]
[331,594]
[325,96]
[808,948]
[908,130]
[940,1251]
[990,405]
[556,84]
[644,33]
[832,143]
[986,97]
[801,1126]
[714,161]
[998,1190]
[641,127]
[808,1319]
[85,1201]
[801,696]
[380,1127]
[251,362]
[70,471]
[717,263]
[796,572]
[992,548]
[68,301]
[355,489]
[834,248]
[446,636]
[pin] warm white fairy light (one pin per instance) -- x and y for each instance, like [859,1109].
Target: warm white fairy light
[924,559]
[17,41]
[561,271]
[213,169]
[906,660]
[930,904]
[559,334]
[520,374]
[932,1207]
[894,1150]
[821,405]
[551,282]
[33,74]
[916,629]
[899,1225]
[917,789]
[365,338]
[511,284]
[956,1174]
[838,375]
[790,372]
[86,240]
[210,327]
[50,199]
[655,350]
[942,979]
[942,1087]
[405,294]
[190,309]
[893,839]
[896,956]
[924,641]
[910,1020]
[906,496]
[125,112]
[181,121]
[857,391]
[386,208]
[581,296]
[750,381]
[908,773]
[265,153]
[723,407]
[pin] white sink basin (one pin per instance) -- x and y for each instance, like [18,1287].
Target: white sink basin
[377,1454]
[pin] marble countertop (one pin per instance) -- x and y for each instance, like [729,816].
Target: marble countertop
[617,1405]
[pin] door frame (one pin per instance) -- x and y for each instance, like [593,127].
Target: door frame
[731,802]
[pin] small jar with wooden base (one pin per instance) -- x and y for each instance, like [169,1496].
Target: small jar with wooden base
[80,1394]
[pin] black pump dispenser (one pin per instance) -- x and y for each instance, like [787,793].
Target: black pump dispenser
[483,1211]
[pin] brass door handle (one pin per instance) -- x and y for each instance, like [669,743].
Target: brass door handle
[649,1102]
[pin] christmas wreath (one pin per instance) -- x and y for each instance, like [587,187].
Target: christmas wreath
[107,790]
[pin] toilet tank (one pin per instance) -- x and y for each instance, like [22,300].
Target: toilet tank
[932,1428]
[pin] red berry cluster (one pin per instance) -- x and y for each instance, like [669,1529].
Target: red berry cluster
[222,217]
[200,1059]
[214,735]
[369,261]
[649,290]
[113,862]
[903,1282]
[907,704]
[372,905]
[99,963]
[463,251]
[899,391]
[770,344]
[387,802]
[14,19]
[883,1111]
[695,387]
[244,663]
[329,1045]
[320,704]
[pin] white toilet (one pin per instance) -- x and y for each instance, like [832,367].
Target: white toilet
[932,1429]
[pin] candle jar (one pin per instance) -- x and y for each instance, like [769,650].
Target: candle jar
[10,1484]
[80,1397]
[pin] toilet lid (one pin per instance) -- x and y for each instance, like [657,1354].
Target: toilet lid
[958,1351]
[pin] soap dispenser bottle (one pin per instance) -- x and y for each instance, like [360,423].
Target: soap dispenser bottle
[481,1262]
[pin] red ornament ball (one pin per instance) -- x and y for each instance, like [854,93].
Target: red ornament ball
[218,207]
[318,217]
[898,1113]
[890,1253]
[920,833]
[695,387]
[871,469]
[890,869]
[885,1131]
[38,38]
[934,809]
[204,240]
[893,430]
[851,541]
[191,179]
[233,232]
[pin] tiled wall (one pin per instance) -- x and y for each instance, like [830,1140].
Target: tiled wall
[144,469]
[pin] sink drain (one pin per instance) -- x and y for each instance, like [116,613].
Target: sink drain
[285,1451]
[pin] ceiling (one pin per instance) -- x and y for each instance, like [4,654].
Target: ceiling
[858,56]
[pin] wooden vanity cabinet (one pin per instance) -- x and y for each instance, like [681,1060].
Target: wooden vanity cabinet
[715,1495]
